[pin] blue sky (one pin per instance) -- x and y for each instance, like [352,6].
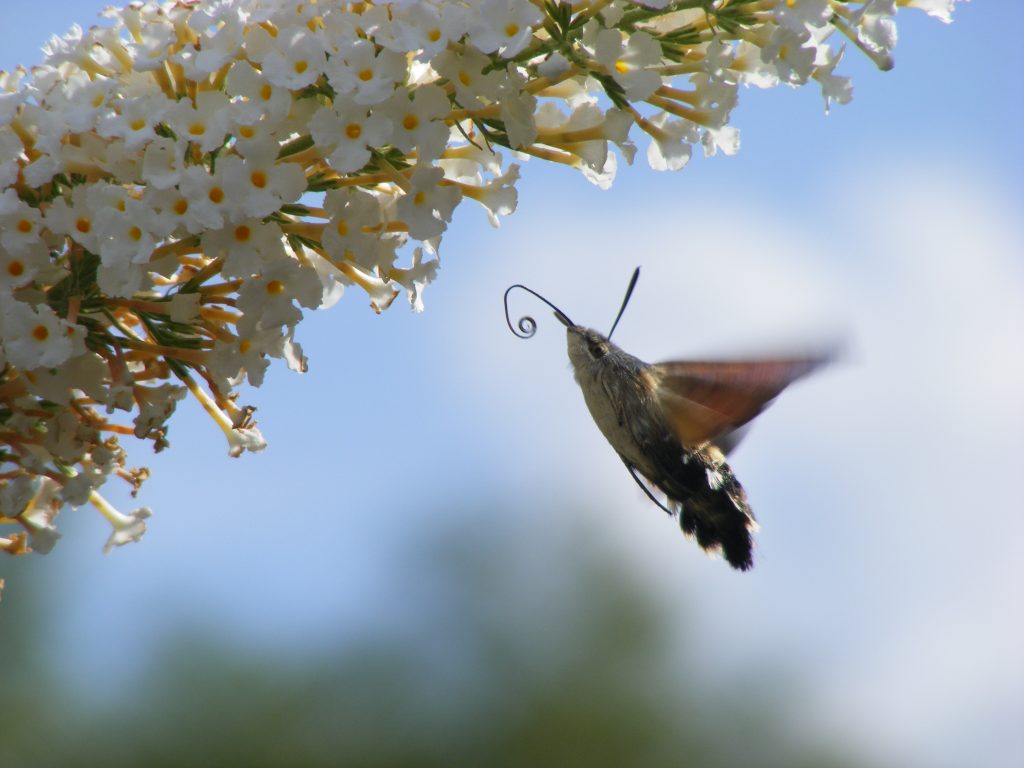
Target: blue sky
[888,570]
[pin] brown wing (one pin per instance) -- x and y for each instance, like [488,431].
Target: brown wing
[707,400]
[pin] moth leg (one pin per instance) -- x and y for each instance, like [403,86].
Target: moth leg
[632,471]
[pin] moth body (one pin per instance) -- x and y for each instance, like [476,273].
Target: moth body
[622,394]
[619,392]
[672,423]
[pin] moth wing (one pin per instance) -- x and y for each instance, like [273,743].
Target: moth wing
[709,401]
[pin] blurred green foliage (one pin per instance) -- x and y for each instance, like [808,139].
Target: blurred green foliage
[581,670]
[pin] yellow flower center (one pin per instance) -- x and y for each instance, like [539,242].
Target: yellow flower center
[180,206]
[24,226]
[511,29]
[83,225]
[197,129]
[15,268]
[410,122]
[275,287]
[40,333]
[243,233]
[258,179]
[216,195]
[353,131]
[137,124]
[419,197]
[135,233]
[341,227]
[366,74]
[266,92]
[301,66]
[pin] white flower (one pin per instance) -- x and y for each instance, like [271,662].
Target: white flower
[270,99]
[833,87]
[876,30]
[257,184]
[940,9]
[517,108]
[267,299]
[586,133]
[228,360]
[150,41]
[206,124]
[292,60]
[156,404]
[350,213]
[38,518]
[246,246]
[12,94]
[332,279]
[20,223]
[85,372]
[603,178]
[416,278]
[16,494]
[128,232]
[504,26]
[75,220]
[418,28]
[792,54]
[553,65]
[163,163]
[18,268]
[427,206]
[82,100]
[241,432]
[797,17]
[627,61]
[364,75]
[465,71]
[346,132]
[33,337]
[416,117]
[132,120]
[671,143]
[10,150]
[725,139]
[204,199]
[127,528]
[221,34]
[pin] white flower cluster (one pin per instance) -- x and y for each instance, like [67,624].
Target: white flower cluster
[178,185]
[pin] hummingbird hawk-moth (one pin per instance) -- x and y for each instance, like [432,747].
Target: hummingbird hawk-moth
[673,423]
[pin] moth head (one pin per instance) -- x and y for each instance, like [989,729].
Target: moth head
[587,347]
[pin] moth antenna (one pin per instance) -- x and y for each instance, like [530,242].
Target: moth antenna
[625,301]
[527,325]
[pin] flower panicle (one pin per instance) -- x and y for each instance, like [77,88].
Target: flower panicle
[181,183]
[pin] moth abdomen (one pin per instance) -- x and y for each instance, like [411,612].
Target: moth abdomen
[711,503]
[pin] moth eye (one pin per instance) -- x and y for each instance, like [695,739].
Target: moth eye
[597,350]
